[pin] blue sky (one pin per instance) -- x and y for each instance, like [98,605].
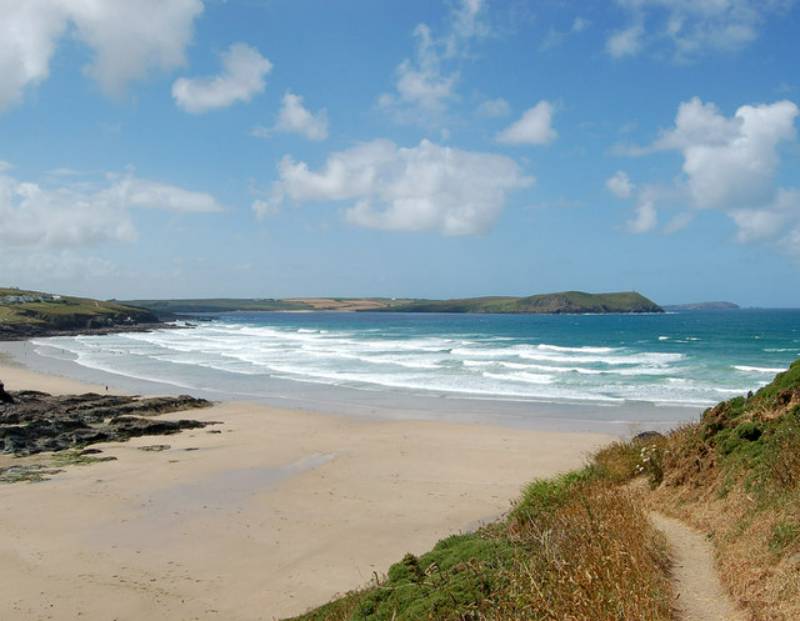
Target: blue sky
[180,148]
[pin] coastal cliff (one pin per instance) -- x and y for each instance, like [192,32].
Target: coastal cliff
[27,314]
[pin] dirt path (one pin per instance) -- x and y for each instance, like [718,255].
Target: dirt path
[700,594]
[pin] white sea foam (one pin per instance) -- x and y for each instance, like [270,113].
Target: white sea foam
[473,365]
[749,369]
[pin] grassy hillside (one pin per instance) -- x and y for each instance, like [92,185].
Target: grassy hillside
[217,305]
[222,305]
[35,311]
[565,302]
[574,547]
[580,546]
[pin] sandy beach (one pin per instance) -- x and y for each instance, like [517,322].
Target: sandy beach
[277,513]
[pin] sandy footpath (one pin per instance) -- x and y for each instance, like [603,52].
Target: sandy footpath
[278,512]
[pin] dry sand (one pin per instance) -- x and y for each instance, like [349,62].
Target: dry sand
[277,513]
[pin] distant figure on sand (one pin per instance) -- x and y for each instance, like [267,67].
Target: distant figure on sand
[4,396]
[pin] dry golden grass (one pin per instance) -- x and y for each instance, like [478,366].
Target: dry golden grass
[575,548]
[596,558]
[746,494]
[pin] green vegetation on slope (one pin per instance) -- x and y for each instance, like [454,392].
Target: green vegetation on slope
[573,547]
[565,302]
[36,311]
[580,546]
[736,474]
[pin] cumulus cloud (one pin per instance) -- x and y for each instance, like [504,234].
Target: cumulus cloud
[620,184]
[731,164]
[127,39]
[294,117]
[423,188]
[535,127]
[645,218]
[493,108]
[426,84]
[42,215]
[687,28]
[243,75]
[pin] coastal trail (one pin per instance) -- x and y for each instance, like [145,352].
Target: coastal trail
[700,594]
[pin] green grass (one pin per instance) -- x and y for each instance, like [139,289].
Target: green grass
[68,312]
[217,305]
[565,302]
[572,547]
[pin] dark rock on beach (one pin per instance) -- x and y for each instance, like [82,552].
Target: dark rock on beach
[36,421]
[647,436]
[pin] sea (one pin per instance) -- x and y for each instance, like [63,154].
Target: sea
[654,369]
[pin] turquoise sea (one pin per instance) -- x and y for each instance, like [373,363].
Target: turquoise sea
[685,359]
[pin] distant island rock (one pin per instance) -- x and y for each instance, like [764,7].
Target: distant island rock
[702,306]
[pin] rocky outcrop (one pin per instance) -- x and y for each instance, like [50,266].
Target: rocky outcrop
[37,421]
[20,332]
[4,396]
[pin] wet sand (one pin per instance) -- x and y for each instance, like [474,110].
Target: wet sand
[277,513]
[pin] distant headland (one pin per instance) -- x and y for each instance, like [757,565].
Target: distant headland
[548,303]
[25,314]
[702,306]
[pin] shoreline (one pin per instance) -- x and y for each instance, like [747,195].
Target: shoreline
[14,333]
[379,404]
[278,513]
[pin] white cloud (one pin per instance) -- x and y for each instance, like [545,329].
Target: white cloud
[467,23]
[422,188]
[243,75]
[645,218]
[555,37]
[731,164]
[127,39]
[294,117]
[579,24]
[41,215]
[625,42]
[28,35]
[426,84]
[264,208]
[130,38]
[620,184]
[135,192]
[493,108]
[687,28]
[535,127]
[781,216]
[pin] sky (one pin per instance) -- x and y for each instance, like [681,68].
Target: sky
[276,148]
